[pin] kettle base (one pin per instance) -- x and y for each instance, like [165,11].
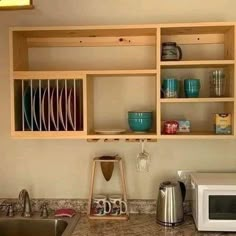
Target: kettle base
[170,224]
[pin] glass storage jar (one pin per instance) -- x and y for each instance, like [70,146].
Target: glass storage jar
[217,83]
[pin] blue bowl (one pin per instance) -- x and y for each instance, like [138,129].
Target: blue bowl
[140,114]
[140,124]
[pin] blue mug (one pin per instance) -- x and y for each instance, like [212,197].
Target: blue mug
[170,88]
[192,88]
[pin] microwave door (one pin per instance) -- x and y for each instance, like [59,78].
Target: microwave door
[222,207]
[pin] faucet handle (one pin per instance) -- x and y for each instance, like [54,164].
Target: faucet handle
[10,210]
[44,211]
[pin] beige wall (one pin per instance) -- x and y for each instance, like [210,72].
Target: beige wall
[60,168]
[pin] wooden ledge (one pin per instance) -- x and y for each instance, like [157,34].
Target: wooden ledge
[14,8]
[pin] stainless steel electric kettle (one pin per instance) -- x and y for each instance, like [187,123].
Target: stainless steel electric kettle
[170,203]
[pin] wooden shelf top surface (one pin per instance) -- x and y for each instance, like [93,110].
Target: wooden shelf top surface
[197,63]
[197,135]
[78,74]
[124,30]
[214,25]
[197,100]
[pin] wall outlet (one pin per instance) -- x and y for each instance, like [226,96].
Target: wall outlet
[184,176]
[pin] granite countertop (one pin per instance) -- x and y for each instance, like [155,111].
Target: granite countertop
[142,220]
[138,224]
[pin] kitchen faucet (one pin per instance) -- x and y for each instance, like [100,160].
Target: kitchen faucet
[24,196]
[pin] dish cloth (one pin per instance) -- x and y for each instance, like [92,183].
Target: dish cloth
[65,212]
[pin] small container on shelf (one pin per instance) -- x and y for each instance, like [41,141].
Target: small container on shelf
[217,83]
[171,52]
[170,127]
[184,126]
[223,123]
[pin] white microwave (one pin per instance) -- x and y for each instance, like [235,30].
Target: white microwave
[214,201]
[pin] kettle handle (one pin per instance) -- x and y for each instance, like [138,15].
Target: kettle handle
[183,189]
[162,192]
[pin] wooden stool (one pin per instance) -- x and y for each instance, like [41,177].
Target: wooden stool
[118,161]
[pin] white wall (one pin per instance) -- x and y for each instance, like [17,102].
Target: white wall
[61,168]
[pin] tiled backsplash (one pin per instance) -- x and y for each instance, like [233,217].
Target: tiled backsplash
[80,205]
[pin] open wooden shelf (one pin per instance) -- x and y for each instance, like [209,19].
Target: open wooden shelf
[123,136]
[196,28]
[199,63]
[196,135]
[196,100]
[49,134]
[20,75]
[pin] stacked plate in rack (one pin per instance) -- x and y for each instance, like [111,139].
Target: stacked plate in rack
[52,108]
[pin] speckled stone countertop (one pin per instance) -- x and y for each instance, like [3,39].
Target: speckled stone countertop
[138,224]
[143,222]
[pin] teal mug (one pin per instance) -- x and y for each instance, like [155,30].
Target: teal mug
[170,88]
[192,88]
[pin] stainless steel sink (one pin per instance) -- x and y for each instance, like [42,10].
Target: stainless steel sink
[37,227]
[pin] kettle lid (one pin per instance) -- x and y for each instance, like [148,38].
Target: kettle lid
[168,184]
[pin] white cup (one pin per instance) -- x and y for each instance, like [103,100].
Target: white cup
[118,206]
[100,205]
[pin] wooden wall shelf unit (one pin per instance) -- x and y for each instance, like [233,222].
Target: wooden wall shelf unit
[90,61]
